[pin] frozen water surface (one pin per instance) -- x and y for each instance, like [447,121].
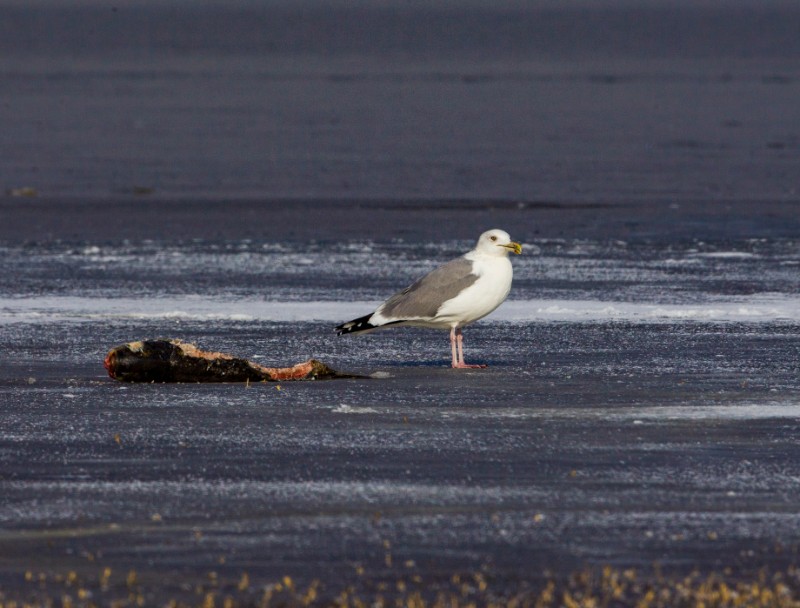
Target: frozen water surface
[631,413]
[245,175]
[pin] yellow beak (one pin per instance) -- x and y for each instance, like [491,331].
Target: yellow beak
[515,247]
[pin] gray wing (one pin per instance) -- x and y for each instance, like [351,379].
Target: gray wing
[426,296]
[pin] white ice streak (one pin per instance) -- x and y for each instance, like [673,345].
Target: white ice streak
[761,308]
[343,408]
[723,255]
[742,411]
[635,415]
[747,309]
[64,501]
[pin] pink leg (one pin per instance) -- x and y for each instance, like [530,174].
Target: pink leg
[459,361]
[453,347]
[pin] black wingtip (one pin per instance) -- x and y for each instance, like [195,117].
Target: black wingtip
[355,326]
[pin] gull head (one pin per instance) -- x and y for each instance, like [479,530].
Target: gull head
[497,242]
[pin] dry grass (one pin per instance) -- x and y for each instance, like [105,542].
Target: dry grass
[591,588]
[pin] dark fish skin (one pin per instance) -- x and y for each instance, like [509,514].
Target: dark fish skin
[163,361]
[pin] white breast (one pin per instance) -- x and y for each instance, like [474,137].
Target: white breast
[483,296]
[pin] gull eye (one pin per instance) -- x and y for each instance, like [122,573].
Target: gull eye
[494,238]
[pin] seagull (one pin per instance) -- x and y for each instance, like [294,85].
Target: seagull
[451,296]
